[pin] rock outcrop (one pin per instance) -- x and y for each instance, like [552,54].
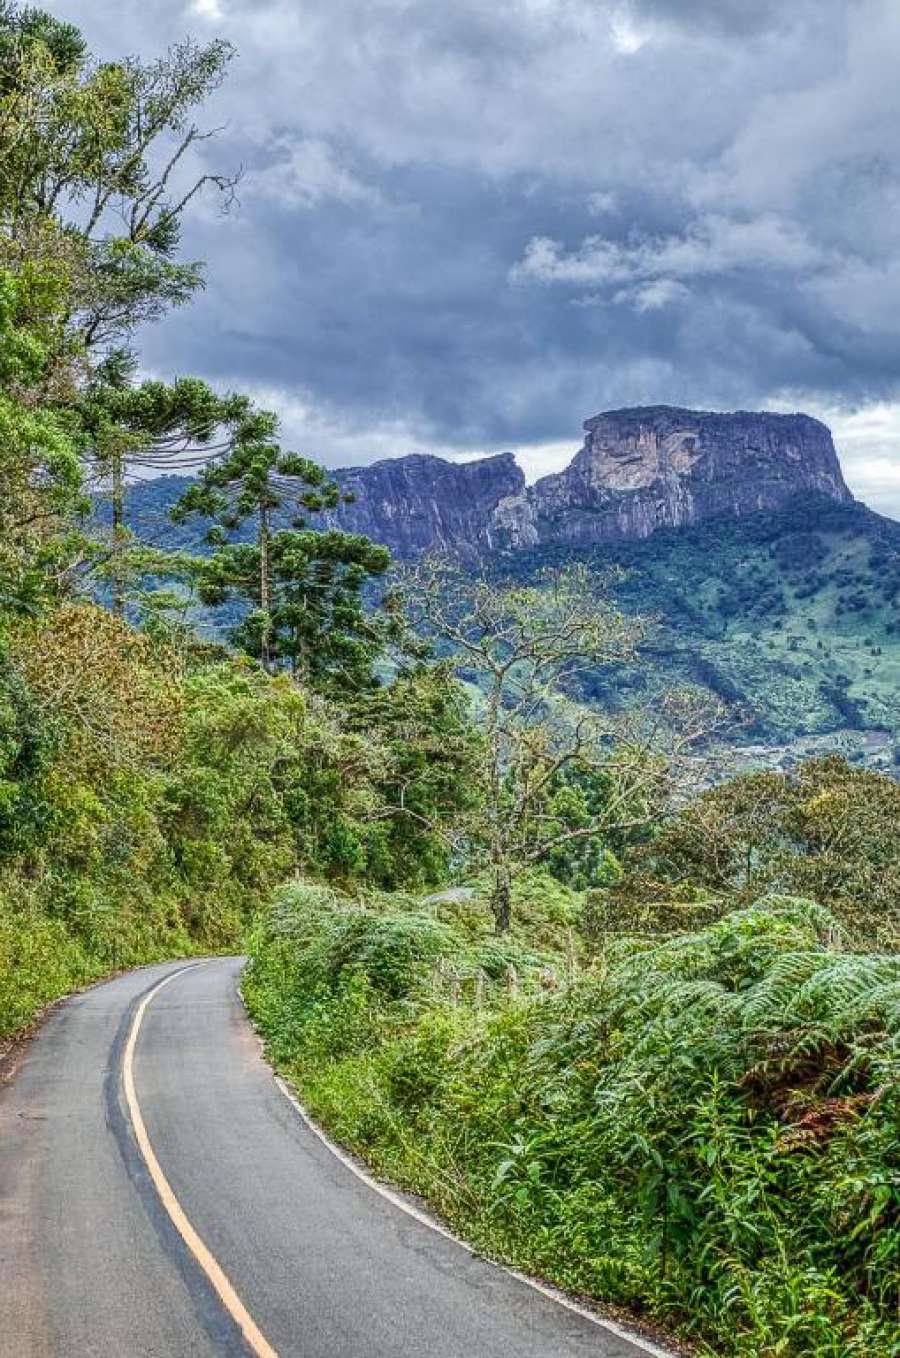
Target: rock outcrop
[421,503]
[659,466]
[639,470]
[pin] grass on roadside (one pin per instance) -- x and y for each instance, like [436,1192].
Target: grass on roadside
[700,1128]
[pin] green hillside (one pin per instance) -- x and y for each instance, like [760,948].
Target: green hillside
[792,619]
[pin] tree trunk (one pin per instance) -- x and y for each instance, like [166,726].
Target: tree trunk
[501,900]
[117,497]
[265,593]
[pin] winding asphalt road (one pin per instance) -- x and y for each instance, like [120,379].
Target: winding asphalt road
[98,1261]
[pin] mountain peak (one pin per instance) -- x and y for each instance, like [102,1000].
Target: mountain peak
[661,413]
[416,461]
[421,502]
[640,468]
[662,466]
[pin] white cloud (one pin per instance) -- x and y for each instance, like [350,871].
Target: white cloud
[868,444]
[660,292]
[306,172]
[596,261]
[626,36]
[540,459]
[713,244]
[207,9]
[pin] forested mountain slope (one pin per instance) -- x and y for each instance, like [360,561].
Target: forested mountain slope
[791,617]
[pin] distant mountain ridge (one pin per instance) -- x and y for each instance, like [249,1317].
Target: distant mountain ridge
[421,503]
[770,586]
[639,470]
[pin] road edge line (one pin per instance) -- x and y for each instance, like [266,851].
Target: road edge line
[207,1261]
[397,1200]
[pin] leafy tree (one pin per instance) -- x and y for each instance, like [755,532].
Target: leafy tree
[148,427]
[316,622]
[39,439]
[93,186]
[303,587]
[27,740]
[578,794]
[22,29]
[101,149]
[824,830]
[427,756]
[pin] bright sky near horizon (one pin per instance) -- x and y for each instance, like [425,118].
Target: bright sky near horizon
[465,228]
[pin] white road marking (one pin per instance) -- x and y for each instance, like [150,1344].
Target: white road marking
[645,1345]
[254,1337]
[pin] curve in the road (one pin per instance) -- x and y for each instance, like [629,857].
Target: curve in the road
[221,1283]
[151,1172]
[398,1200]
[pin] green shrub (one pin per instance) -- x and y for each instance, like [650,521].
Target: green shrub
[701,1127]
[38,961]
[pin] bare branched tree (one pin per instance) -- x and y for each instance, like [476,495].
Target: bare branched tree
[556,775]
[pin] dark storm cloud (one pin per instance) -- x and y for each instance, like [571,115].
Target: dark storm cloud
[469,226]
[735,16]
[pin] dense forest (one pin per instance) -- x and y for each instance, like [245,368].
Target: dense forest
[155,787]
[622,1025]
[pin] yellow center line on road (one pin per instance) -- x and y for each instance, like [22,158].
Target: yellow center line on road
[223,1286]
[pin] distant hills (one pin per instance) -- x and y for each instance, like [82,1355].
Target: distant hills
[769,584]
[792,617]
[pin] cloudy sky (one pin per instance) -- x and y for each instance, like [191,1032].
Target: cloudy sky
[466,225]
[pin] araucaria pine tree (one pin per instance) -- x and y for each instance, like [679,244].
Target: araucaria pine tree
[301,587]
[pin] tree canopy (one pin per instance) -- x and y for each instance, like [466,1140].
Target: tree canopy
[555,775]
[302,588]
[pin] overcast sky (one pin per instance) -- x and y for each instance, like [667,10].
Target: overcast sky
[467,225]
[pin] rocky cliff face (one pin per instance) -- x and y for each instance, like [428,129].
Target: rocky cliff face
[659,466]
[639,470]
[422,503]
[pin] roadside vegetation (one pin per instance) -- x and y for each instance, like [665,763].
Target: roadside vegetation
[700,1128]
[647,1042]
[153,794]
[154,788]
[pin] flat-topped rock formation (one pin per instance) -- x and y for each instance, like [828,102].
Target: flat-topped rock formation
[639,469]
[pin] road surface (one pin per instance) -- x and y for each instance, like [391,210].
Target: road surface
[160,1197]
